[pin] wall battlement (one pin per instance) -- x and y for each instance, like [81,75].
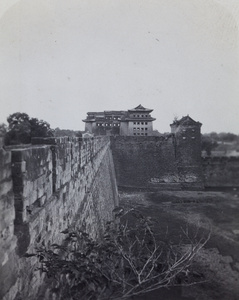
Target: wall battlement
[45,188]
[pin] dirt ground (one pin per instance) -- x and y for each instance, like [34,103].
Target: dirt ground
[215,211]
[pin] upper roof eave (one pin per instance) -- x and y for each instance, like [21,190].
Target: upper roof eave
[140,108]
[185,121]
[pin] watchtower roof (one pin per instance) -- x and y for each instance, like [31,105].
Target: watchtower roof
[187,120]
[140,108]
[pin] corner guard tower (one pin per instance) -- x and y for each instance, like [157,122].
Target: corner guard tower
[187,134]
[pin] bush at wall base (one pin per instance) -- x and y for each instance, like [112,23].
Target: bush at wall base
[129,260]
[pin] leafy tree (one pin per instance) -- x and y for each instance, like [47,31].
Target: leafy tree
[222,137]
[40,128]
[22,128]
[3,129]
[19,129]
[227,137]
[208,144]
[128,261]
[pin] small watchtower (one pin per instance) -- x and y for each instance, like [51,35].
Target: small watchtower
[187,133]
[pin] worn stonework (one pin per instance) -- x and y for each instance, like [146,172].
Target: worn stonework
[8,258]
[52,185]
[221,171]
[163,162]
[145,162]
[60,182]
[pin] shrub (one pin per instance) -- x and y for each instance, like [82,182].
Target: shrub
[129,260]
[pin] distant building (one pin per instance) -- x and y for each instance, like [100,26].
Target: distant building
[136,121]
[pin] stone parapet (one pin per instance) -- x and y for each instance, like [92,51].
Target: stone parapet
[45,188]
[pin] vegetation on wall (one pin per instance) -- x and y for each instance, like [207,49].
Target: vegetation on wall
[129,260]
[22,128]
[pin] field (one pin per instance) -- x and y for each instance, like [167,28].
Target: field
[215,211]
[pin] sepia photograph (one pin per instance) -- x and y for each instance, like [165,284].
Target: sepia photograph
[119,150]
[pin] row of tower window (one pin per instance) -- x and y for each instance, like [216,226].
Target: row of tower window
[141,133]
[142,123]
[142,116]
[140,128]
[108,125]
[113,118]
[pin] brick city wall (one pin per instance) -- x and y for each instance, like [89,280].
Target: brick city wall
[221,171]
[59,182]
[153,163]
[45,188]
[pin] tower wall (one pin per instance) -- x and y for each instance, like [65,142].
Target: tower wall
[188,153]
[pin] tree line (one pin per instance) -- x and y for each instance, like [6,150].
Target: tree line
[213,141]
[22,128]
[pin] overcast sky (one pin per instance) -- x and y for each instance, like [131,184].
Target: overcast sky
[60,59]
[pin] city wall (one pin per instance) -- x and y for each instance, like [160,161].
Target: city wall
[155,162]
[221,171]
[60,182]
[44,189]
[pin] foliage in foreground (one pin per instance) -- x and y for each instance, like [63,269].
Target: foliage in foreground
[22,128]
[129,260]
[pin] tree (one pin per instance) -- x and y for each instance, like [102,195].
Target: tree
[3,129]
[228,137]
[129,260]
[19,129]
[208,144]
[40,128]
[22,128]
